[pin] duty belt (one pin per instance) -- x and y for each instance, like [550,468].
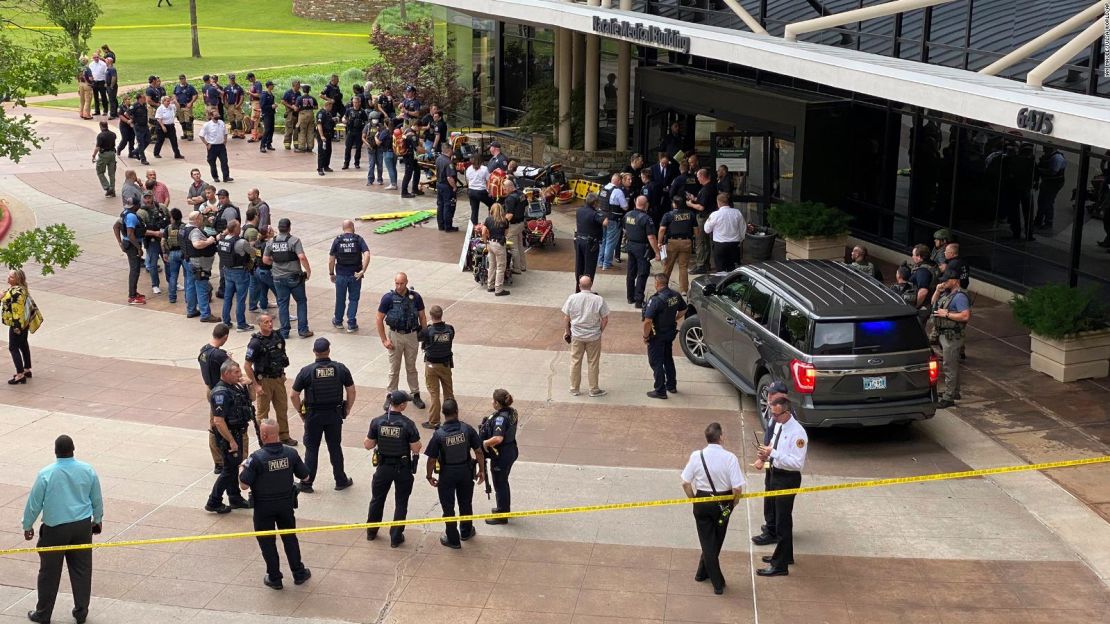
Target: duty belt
[401,331]
[588,239]
[671,238]
[395,460]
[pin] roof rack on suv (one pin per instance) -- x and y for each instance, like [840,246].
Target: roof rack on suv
[826,286]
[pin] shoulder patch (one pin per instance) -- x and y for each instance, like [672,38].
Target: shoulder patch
[500,420]
[218,398]
[801,443]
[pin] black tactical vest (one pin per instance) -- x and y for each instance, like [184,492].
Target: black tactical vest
[274,467]
[325,391]
[272,359]
[239,411]
[228,258]
[392,440]
[347,252]
[437,350]
[211,359]
[453,447]
[140,229]
[402,314]
[281,250]
[508,426]
[220,222]
[190,250]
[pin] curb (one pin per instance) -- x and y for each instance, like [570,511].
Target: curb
[5,220]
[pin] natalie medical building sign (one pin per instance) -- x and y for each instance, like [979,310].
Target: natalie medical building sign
[668,38]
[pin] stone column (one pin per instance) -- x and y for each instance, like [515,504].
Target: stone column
[578,76]
[624,83]
[593,84]
[563,50]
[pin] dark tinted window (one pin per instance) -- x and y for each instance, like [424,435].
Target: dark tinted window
[871,336]
[757,305]
[793,327]
[737,289]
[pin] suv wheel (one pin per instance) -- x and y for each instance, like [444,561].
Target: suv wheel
[694,346]
[762,389]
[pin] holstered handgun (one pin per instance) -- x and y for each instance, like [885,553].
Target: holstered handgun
[414,459]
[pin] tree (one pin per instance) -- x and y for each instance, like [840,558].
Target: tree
[410,58]
[33,62]
[51,247]
[193,27]
[76,19]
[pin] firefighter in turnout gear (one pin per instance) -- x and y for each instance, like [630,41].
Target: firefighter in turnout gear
[395,442]
[437,339]
[951,312]
[306,118]
[324,409]
[232,414]
[449,455]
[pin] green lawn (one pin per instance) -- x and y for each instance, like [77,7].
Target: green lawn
[164,48]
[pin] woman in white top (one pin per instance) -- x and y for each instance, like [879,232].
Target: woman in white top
[477,177]
[164,117]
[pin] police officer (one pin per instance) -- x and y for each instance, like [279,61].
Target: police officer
[498,433]
[289,101]
[676,234]
[233,100]
[325,133]
[639,230]
[447,183]
[449,454]
[268,112]
[212,356]
[437,339]
[354,119]
[235,263]
[662,315]
[786,455]
[306,111]
[139,123]
[951,312]
[332,93]
[589,228]
[266,362]
[186,95]
[395,441]
[232,413]
[269,473]
[347,264]
[402,311]
[323,411]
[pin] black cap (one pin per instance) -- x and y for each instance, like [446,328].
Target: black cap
[777,387]
[284,224]
[222,193]
[397,397]
[949,275]
[321,345]
[496,144]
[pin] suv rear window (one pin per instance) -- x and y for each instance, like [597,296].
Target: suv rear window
[870,336]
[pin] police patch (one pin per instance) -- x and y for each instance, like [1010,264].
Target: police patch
[277,464]
[326,371]
[500,420]
[390,431]
[250,353]
[801,443]
[455,439]
[218,398]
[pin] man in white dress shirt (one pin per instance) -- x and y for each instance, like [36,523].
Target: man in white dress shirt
[786,454]
[712,471]
[214,136]
[728,229]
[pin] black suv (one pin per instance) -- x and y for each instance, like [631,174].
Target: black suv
[850,351]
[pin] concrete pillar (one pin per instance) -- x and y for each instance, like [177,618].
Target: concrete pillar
[593,85]
[624,83]
[578,75]
[565,41]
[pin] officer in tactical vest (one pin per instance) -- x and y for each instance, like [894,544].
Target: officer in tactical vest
[269,474]
[266,363]
[173,254]
[498,433]
[661,317]
[235,262]
[347,263]
[589,228]
[449,455]
[639,232]
[354,119]
[402,310]
[951,312]
[232,413]
[212,357]
[323,411]
[395,442]
[437,339]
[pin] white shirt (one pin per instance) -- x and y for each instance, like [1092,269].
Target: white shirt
[790,444]
[476,179]
[214,132]
[585,309]
[166,114]
[727,225]
[99,69]
[723,466]
[617,198]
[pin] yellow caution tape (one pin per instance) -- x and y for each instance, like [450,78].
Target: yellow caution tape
[574,510]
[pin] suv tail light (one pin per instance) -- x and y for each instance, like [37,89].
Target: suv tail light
[934,370]
[805,376]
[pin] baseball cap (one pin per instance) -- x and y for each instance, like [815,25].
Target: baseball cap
[148,194]
[410,88]
[284,223]
[397,397]
[948,275]
[269,83]
[943,234]
[222,193]
[496,144]
[777,387]
[321,345]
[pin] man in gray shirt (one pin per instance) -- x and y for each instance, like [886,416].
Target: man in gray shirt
[234,252]
[254,201]
[284,254]
[201,251]
[226,212]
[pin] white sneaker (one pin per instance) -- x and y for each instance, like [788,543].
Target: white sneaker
[156,290]
[180,288]
[574,392]
[598,393]
[391,187]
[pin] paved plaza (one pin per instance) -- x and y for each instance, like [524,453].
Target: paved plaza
[123,382]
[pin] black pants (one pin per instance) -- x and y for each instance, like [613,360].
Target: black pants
[412,173]
[142,139]
[1046,201]
[585,258]
[478,198]
[457,482]
[769,502]
[126,138]
[661,360]
[1018,206]
[784,515]
[445,206]
[218,151]
[79,563]
[113,101]
[711,536]
[135,267]
[500,467]
[636,273]
[352,143]
[323,153]
[100,96]
[20,348]
[171,134]
[270,515]
[228,481]
[397,474]
[726,256]
[268,133]
[332,433]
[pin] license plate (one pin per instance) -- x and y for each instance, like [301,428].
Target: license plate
[874,383]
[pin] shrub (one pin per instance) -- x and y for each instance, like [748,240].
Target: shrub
[1058,310]
[808,219]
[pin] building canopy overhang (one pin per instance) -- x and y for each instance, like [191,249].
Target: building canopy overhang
[990,99]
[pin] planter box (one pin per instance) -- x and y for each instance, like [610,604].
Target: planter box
[816,248]
[1082,356]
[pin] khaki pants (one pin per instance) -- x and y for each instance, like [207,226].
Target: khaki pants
[256,116]
[950,344]
[592,350]
[305,129]
[236,120]
[515,234]
[406,346]
[290,128]
[272,392]
[496,274]
[678,252]
[436,375]
[85,92]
